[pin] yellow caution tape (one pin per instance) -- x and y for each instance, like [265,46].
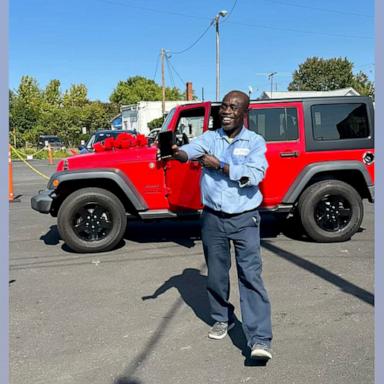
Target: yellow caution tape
[32,154]
[29,165]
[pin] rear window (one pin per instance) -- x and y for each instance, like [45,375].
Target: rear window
[274,124]
[339,121]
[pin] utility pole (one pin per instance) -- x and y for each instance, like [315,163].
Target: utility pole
[217,59]
[270,77]
[162,81]
[216,20]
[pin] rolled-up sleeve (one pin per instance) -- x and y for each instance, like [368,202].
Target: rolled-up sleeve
[254,166]
[198,147]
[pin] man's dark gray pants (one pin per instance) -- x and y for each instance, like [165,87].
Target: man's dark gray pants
[244,230]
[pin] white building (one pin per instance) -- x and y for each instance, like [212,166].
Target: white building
[299,94]
[137,116]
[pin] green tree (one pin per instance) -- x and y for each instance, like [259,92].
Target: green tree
[363,85]
[52,94]
[98,115]
[139,88]
[317,74]
[156,123]
[76,96]
[24,108]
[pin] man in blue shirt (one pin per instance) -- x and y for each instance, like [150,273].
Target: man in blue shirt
[234,164]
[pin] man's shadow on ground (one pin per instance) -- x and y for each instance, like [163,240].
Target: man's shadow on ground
[191,285]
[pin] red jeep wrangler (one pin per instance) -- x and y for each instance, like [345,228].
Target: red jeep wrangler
[321,166]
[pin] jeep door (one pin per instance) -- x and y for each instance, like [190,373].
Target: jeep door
[183,179]
[282,126]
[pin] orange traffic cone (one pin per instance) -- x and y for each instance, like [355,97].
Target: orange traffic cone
[50,158]
[11,195]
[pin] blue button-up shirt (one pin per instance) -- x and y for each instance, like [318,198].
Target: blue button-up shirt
[245,155]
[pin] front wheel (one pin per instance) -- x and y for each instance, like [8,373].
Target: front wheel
[91,220]
[330,211]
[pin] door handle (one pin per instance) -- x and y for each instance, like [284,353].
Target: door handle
[289,154]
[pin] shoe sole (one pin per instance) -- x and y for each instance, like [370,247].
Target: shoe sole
[215,337]
[261,354]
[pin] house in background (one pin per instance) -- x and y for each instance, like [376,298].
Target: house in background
[137,116]
[117,122]
[299,94]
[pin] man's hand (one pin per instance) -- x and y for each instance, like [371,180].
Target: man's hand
[179,154]
[209,161]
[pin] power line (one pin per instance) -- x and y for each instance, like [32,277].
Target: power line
[202,35]
[230,12]
[129,5]
[174,70]
[194,43]
[170,72]
[319,9]
[301,31]
[366,65]
[157,66]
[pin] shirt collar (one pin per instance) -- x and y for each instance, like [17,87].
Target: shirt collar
[242,135]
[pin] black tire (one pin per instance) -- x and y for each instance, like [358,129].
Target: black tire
[91,220]
[330,211]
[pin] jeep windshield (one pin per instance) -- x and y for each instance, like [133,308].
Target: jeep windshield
[167,120]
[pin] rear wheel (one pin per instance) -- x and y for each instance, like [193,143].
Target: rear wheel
[91,220]
[330,211]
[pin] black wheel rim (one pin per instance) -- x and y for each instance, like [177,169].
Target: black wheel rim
[92,222]
[333,213]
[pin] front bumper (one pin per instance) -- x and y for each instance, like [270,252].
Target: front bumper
[42,202]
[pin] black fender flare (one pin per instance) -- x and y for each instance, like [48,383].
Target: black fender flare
[115,175]
[313,169]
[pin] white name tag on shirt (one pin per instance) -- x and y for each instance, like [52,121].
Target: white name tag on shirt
[241,151]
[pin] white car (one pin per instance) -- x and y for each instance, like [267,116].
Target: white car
[152,136]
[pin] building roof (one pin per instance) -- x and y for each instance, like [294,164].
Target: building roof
[299,94]
[143,104]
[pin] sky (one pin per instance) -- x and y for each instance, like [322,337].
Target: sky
[101,42]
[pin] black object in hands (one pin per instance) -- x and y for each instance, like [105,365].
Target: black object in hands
[166,140]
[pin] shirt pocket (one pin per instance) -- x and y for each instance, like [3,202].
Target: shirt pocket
[239,155]
[239,159]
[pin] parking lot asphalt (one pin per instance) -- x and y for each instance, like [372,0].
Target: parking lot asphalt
[139,314]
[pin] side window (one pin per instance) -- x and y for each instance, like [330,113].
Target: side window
[339,121]
[191,123]
[274,124]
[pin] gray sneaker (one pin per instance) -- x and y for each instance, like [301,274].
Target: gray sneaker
[261,352]
[220,330]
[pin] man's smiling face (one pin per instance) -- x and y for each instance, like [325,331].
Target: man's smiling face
[232,111]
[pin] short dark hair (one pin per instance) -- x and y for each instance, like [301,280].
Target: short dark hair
[240,93]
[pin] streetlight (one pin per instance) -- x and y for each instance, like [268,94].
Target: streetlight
[270,77]
[222,13]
